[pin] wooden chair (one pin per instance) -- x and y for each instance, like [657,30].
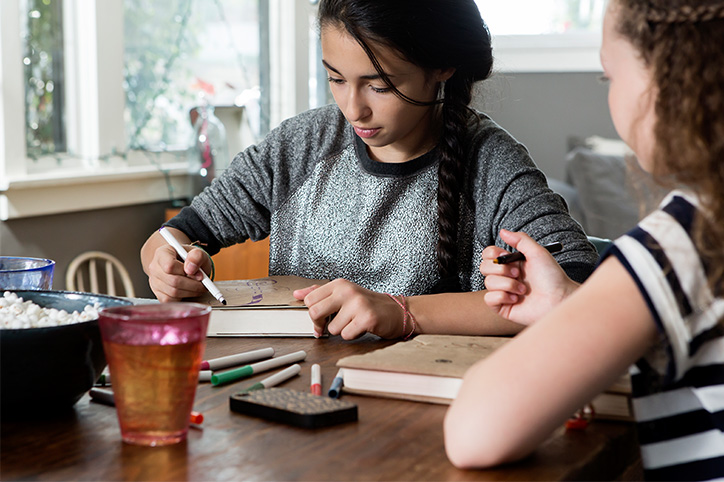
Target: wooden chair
[88,266]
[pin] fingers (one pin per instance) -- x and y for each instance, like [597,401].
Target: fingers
[522,242]
[355,310]
[301,294]
[492,252]
[321,305]
[168,278]
[195,259]
[488,268]
[496,299]
[505,283]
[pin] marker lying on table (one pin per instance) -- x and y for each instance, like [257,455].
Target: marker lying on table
[183,253]
[316,385]
[335,390]
[238,359]
[518,256]
[276,379]
[249,370]
[104,380]
[106,397]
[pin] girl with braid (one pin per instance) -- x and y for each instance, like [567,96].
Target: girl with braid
[656,301]
[391,193]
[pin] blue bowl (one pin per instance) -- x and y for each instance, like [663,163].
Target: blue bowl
[47,370]
[18,273]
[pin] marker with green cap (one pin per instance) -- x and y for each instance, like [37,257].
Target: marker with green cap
[249,370]
[276,379]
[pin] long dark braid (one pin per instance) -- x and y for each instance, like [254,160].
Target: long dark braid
[432,34]
[451,171]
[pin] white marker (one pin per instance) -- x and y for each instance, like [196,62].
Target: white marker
[276,379]
[249,370]
[182,253]
[238,359]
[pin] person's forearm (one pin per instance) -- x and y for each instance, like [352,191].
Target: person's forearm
[459,314]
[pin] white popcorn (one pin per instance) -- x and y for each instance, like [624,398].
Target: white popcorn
[16,313]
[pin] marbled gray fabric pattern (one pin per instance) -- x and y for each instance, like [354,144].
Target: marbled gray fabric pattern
[331,211]
[343,222]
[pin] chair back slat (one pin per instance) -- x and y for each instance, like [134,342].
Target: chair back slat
[111,279]
[103,282]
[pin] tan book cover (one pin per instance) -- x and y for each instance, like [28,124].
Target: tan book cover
[272,291]
[426,368]
[429,368]
[260,307]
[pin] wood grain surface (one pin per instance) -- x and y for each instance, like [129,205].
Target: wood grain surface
[392,440]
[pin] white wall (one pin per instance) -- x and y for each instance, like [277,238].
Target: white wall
[544,110]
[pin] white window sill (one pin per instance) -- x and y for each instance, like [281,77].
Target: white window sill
[83,189]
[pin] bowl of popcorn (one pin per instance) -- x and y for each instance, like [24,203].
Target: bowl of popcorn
[51,351]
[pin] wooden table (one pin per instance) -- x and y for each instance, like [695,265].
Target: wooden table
[392,440]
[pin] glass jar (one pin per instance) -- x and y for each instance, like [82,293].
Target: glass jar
[209,149]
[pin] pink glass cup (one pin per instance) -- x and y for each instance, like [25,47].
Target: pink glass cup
[154,354]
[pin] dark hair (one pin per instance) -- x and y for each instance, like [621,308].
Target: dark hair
[432,34]
[681,42]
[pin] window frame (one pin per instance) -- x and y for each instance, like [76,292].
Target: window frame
[574,51]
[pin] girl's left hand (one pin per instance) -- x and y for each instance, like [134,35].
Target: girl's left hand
[356,310]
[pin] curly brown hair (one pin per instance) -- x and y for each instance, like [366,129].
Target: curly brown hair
[682,41]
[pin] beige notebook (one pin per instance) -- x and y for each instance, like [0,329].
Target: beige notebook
[430,368]
[260,307]
[426,368]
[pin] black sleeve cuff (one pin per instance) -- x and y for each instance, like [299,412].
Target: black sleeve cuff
[194,227]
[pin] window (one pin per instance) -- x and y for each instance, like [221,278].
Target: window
[111,93]
[545,35]
[42,31]
[180,54]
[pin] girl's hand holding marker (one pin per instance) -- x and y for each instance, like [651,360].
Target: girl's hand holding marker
[518,256]
[508,294]
[205,280]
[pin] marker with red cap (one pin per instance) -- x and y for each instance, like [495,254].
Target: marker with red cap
[106,397]
[316,380]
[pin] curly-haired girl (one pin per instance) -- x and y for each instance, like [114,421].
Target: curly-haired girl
[657,297]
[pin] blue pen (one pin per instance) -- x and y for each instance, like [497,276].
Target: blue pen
[335,390]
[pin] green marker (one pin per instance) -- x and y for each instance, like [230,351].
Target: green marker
[249,370]
[276,379]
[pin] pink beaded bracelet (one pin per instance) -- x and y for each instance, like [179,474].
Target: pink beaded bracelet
[402,303]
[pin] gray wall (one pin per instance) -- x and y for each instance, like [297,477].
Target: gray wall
[544,110]
[118,231]
[540,110]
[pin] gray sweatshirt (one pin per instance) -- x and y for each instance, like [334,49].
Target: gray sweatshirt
[332,212]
